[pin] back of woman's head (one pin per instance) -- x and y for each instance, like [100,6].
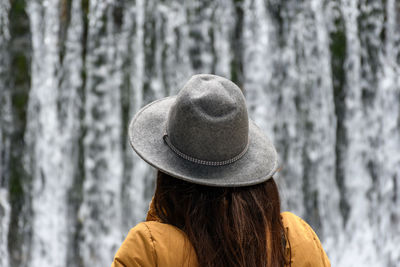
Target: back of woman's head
[227,226]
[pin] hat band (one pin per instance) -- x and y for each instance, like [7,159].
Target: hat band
[200,161]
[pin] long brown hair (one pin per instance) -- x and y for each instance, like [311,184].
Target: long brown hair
[227,226]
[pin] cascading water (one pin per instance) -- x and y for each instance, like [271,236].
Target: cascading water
[5,124]
[102,143]
[47,142]
[322,78]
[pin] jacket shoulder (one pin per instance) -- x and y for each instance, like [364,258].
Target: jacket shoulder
[305,246]
[137,249]
[153,243]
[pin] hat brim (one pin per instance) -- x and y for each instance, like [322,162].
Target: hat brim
[146,137]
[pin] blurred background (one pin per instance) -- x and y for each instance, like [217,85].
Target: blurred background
[321,77]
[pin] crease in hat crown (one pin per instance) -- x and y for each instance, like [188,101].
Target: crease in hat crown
[208,123]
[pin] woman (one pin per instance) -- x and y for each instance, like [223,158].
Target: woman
[216,203]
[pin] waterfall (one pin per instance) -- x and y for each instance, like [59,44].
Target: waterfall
[372,104]
[321,78]
[5,124]
[100,211]
[51,173]
[5,220]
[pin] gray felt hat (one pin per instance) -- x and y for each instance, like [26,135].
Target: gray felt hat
[204,136]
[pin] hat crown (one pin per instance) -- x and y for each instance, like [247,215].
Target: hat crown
[209,120]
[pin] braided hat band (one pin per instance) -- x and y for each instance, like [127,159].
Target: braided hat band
[200,161]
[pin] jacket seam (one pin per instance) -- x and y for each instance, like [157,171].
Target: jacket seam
[120,262]
[152,242]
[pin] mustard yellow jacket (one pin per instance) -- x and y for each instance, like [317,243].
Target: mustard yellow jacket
[153,243]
